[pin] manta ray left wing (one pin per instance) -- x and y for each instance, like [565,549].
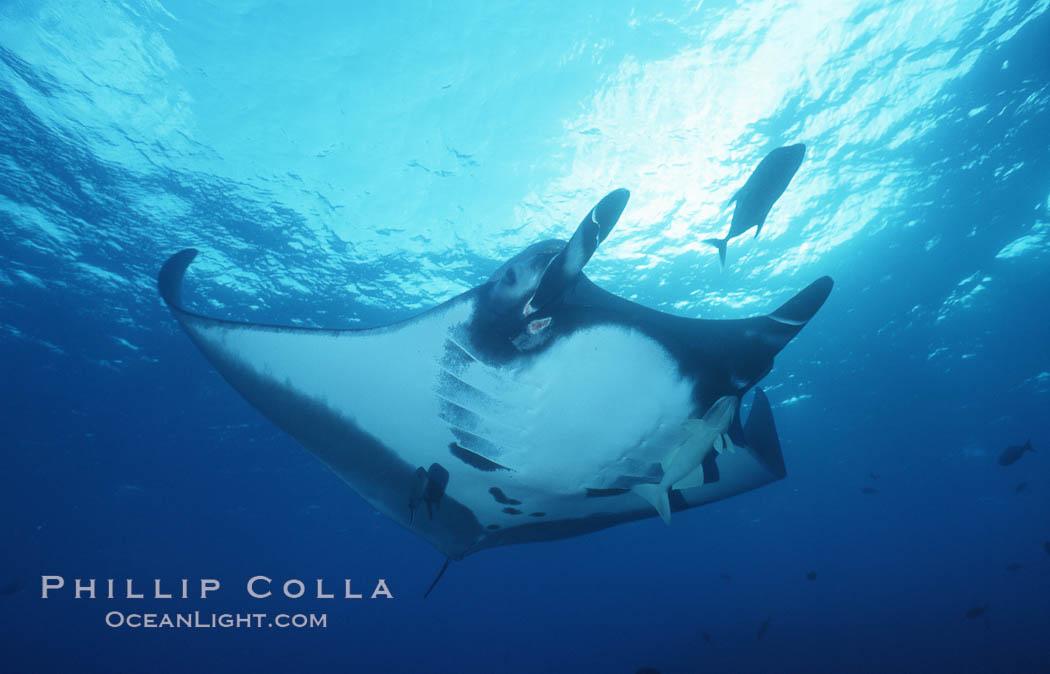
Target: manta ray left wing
[326,387]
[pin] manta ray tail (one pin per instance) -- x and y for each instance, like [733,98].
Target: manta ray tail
[438,577]
[720,244]
[657,496]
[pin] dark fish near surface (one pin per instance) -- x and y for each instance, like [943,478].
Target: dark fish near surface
[1013,566]
[811,575]
[647,670]
[869,490]
[763,628]
[753,201]
[977,611]
[706,636]
[1012,454]
[12,588]
[874,476]
[1046,546]
[725,577]
[1021,487]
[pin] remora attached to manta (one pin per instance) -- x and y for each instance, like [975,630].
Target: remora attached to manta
[533,407]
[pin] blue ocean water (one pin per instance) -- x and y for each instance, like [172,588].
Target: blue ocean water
[349,164]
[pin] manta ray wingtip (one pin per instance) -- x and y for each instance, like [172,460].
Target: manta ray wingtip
[824,282]
[169,281]
[803,306]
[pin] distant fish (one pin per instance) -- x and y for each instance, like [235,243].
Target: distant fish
[12,588]
[1013,453]
[647,670]
[869,490]
[1013,566]
[706,636]
[977,611]
[811,575]
[1046,546]
[874,476]
[763,628]
[753,201]
[725,577]
[1020,487]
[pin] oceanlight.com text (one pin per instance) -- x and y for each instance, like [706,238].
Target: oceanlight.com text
[199,620]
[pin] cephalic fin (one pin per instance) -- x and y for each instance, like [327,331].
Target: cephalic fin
[761,434]
[567,265]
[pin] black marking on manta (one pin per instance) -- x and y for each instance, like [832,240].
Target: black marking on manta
[473,459]
[538,382]
[597,493]
[502,498]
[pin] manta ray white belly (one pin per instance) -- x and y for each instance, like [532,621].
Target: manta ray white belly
[600,404]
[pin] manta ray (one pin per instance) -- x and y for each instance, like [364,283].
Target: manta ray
[535,406]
